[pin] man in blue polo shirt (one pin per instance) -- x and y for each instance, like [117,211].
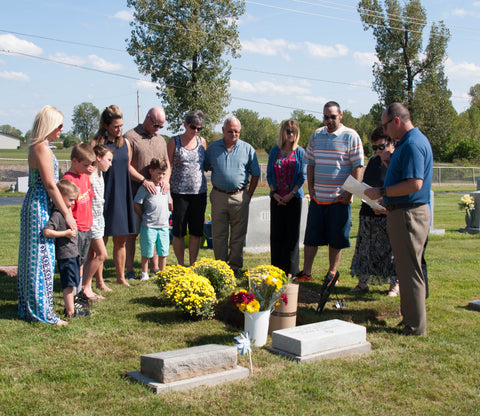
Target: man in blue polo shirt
[231,161]
[406,193]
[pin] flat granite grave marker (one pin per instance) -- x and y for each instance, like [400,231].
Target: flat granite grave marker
[189,367]
[327,339]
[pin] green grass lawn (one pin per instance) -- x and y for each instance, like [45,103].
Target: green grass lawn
[81,369]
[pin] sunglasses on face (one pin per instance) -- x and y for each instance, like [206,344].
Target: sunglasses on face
[198,128]
[379,147]
[290,131]
[332,117]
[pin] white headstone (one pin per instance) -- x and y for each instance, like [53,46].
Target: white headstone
[258,233]
[433,230]
[22,184]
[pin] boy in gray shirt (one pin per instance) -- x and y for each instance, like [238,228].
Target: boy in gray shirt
[66,249]
[154,209]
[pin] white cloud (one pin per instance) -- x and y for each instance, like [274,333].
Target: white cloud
[360,84]
[459,12]
[476,3]
[267,87]
[365,58]
[66,59]
[14,44]
[313,99]
[17,76]
[282,47]
[247,18]
[102,64]
[325,51]
[145,85]
[2,62]
[124,15]
[463,70]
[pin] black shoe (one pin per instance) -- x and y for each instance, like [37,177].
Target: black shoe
[328,285]
[81,300]
[78,313]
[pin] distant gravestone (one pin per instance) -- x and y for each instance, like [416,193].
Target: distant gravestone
[433,230]
[328,339]
[258,233]
[474,226]
[22,184]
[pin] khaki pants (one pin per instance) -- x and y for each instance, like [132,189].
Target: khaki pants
[229,219]
[408,230]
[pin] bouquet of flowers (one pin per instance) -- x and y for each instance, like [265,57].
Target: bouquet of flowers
[466,203]
[267,285]
[218,272]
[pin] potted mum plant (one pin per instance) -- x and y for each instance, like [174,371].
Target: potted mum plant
[267,285]
[467,204]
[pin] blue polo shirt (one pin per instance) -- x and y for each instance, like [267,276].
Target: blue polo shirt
[231,170]
[412,159]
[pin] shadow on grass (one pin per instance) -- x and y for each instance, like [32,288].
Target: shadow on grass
[152,301]
[162,317]
[8,298]
[222,339]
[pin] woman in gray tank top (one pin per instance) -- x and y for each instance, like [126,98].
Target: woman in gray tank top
[188,186]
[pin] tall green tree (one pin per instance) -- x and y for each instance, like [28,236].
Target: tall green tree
[261,133]
[85,121]
[402,61]
[182,45]
[475,96]
[307,123]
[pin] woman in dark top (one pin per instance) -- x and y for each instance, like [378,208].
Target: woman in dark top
[118,208]
[286,174]
[373,258]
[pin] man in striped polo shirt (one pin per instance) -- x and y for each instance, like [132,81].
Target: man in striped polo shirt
[332,154]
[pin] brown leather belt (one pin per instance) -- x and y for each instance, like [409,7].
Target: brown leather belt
[236,191]
[393,207]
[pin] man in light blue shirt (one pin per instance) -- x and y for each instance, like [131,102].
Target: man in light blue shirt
[235,174]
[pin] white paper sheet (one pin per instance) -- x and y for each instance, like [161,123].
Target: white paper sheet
[357,188]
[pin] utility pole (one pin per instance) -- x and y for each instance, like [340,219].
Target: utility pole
[138,107]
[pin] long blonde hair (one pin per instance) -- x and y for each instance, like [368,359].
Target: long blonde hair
[289,125]
[110,113]
[46,121]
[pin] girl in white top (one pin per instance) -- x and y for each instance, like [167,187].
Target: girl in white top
[98,252]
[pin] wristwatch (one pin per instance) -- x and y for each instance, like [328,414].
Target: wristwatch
[383,191]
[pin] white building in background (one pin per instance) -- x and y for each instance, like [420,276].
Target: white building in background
[7,141]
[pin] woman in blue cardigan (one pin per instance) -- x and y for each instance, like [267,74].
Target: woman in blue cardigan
[286,174]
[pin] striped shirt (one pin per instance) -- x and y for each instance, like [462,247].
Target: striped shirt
[334,156]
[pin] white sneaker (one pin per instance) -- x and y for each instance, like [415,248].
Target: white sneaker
[394,290]
[144,277]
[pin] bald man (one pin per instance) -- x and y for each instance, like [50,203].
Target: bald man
[145,144]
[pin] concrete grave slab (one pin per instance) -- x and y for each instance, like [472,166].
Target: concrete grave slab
[170,366]
[206,380]
[320,340]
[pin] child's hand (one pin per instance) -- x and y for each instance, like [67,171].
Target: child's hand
[70,233]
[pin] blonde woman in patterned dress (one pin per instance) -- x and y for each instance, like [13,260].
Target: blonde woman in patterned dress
[36,254]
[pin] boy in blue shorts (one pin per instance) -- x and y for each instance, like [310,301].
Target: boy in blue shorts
[154,209]
[66,249]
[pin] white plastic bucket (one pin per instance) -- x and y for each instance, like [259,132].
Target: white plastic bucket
[256,324]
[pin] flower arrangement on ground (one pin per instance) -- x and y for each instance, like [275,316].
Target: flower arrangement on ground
[266,287]
[188,291]
[467,203]
[218,273]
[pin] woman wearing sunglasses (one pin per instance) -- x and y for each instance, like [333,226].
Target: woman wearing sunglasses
[286,174]
[373,258]
[188,186]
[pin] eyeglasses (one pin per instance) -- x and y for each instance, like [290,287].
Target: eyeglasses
[379,147]
[290,131]
[384,125]
[158,126]
[332,117]
[193,127]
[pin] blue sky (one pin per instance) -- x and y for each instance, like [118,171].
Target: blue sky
[295,55]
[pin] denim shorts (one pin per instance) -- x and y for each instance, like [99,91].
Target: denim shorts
[328,224]
[151,237]
[69,271]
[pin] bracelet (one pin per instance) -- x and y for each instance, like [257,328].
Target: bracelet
[143,180]
[383,191]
